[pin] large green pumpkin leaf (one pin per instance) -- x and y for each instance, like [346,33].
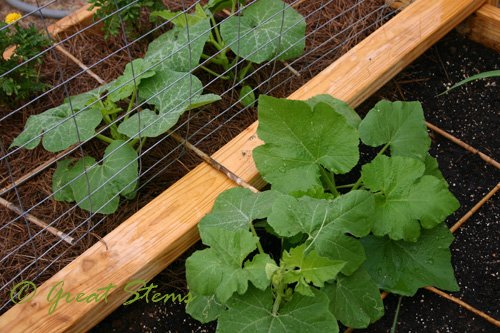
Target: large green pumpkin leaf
[403,267]
[326,223]
[180,18]
[310,268]
[264,26]
[355,300]
[178,50]
[204,308]
[123,87]
[252,312]
[300,140]
[64,134]
[171,103]
[405,197]
[110,174]
[339,106]
[60,179]
[218,270]
[235,208]
[80,101]
[401,124]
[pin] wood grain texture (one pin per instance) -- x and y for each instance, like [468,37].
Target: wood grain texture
[484,27]
[148,241]
[373,62]
[493,2]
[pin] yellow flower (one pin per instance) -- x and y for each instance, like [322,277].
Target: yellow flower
[12,17]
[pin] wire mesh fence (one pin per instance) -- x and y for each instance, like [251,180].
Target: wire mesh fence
[90,124]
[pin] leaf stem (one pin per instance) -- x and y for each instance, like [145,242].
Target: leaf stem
[217,33]
[329,181]
[214,73]
[143,141]
[233,7]
[345,186]
[104,138]
[277,301]
[259,246]
[244,71]
[130,105]
[212,59]
[395,322]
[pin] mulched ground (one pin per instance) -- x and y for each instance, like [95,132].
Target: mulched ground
[470,113]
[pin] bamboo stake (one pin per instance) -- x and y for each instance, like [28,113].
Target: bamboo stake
[463,145]
[216,165]
[475,208]
[68,239]
[79,63]
[465,305]
[36,170]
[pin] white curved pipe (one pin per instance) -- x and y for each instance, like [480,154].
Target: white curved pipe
[45,12]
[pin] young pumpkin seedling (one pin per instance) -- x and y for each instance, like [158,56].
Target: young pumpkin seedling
[263,30]
[340,244]
[162,80]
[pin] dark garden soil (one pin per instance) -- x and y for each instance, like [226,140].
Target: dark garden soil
[162,164]
[472,114]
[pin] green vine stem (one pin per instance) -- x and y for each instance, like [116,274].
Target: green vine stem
[130,104]
[279,296]
[259,246]
[214,73]
[104,138]
[330,181]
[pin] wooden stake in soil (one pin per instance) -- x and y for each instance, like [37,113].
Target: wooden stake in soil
[54,231]
[219,167]
[463,145]
[465,305]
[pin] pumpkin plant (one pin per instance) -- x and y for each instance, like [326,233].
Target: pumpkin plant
[157,95]
[263,30]
[335,245]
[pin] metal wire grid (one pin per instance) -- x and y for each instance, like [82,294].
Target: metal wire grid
[383,12]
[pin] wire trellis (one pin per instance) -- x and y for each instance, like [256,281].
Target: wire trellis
[35,250]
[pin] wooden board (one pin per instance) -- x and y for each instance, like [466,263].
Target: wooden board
[484,27]
[148,241]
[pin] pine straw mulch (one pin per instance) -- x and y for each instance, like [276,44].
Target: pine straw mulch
[164,161]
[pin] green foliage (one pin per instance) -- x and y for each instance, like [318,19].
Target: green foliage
[292,151]
[129,11]
[262,31]
[117,175]
[339,244]
[25,80]
[268,27]
[473,78]
[169,90]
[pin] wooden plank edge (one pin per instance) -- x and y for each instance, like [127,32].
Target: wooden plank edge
[153,237]
[81,16]
[483,27]
[374,61]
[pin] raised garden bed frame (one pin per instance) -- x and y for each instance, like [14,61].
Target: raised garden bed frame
[156,235]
